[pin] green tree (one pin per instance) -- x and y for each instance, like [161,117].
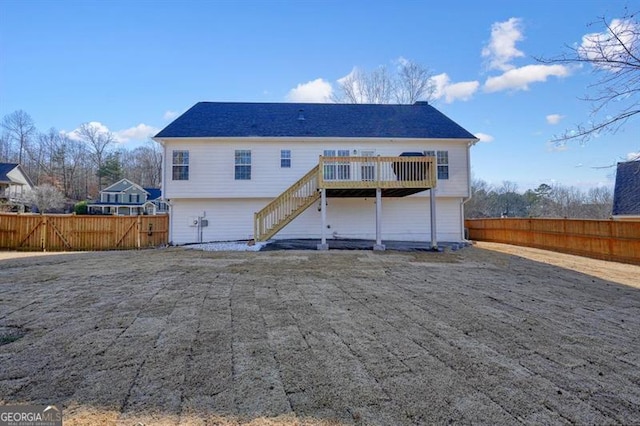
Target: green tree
[111,169]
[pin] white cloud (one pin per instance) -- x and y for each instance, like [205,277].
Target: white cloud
[484,137]
[596,47]
[453,91]
[170,115]
[633,156]
[520,78]
[501,49]
[554,118]
[75,133]
[141,132]
[317,90]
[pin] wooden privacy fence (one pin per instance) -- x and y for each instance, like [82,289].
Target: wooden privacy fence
[600,239]
[70,232]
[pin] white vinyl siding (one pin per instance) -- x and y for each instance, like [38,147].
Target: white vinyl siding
[405,219]
[212,177]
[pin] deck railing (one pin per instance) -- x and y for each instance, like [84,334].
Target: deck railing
[376,172]
[342,173]
[286,207]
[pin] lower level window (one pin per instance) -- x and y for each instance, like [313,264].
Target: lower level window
[243,164]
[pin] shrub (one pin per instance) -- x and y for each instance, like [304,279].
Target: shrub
[80,208]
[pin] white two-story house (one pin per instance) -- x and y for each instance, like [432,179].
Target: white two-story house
[244,171]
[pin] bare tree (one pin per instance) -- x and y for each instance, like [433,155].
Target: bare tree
[361,87]
[4,147]
[45,197]
[99,142]
[20,128]
[76,165]
[599,203]
[414,83]
[480,204]
[614,57]
[144,164]
[567,202]
[409,83]
[40,154]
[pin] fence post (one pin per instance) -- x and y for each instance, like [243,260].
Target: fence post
[138,230]
[610,240]
[43,239]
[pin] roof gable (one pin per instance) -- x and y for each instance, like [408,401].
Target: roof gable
[5,168]
[626,194]
[9,169]
[123,185]
[234,119]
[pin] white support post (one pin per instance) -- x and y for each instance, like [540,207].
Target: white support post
[323,211]
[432,204]
[378,246]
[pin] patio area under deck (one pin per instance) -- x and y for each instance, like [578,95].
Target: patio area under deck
[350,177]
[380,177]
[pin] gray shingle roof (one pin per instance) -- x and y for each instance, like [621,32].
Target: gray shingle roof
[626,194]
[233,119]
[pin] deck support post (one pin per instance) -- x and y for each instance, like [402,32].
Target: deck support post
[432,214]
[323,211]
[378,246]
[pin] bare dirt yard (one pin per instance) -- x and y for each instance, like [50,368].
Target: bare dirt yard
[491,334]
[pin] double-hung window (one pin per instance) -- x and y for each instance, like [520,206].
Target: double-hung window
[442,160]
[180,169]
[443,164]
[285,158]
[243,164]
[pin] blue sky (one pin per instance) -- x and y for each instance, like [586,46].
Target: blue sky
[132,66]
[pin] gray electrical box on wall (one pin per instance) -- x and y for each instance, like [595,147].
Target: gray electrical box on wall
[204,222]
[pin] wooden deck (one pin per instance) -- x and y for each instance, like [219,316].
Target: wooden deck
[342,177]
[361,176]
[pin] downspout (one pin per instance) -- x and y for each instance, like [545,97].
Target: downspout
[468,197]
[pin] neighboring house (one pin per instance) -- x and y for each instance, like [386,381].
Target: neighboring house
[225,161]
[626,194]
[127,198]
[14,186]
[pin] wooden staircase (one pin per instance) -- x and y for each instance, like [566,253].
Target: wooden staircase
[287,206]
